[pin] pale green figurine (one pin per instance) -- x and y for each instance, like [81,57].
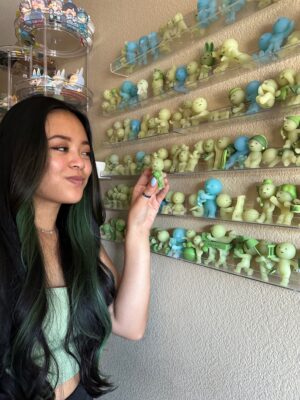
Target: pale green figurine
[183,158]
[130,165]
[286,79]
[157,82]
[220,146]
[167,203]
[290,131]
[178,200]
[199,111]
[163,237]
[237,98]
[193,73]
[229,55]
[224,202]
[266,259]
[271,157]
[285,196]
[176,117]
[245,249]
[157,166]
[152,127]
[194,242]
[250,215]
[186,109]
[170,78]
[237,214]
[127,129]
[196,209]
[162,122]
[179,25]
[209,153]
[266,191]
[144,126]
[257,144]
[207,61]
[266,93]
[285,253]
[218,241]
[288,157]
[194,156]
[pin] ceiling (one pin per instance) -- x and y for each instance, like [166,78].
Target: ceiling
[8,10]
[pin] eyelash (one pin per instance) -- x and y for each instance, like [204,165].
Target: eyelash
[65,149]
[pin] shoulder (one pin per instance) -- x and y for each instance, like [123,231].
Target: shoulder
[104,257]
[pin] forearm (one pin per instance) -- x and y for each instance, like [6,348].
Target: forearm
[130,310]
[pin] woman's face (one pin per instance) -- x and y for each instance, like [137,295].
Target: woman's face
[69,166]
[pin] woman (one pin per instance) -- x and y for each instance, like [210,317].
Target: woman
[58,302]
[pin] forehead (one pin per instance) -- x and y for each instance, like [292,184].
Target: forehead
[61,122]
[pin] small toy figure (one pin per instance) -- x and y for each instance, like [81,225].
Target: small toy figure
[229,8]
[209,153]
[135,126]
[153,45]
[241,153]
[237,214]
[193,73]
[143,48]
[219,148]
[237,98]
[162,122]
[251,94]
[38,8]
[286,80]
[224,202]
[70,11]
[139,160]
[266,191]
[207,61]
[245,248]
[271,157]
[229,55]
[285,196]
[82,22]
[162,243]
[266,93]
[176,242]
[207,197]
[76,81]
[58,81]
[266,259]
[199,111]
[170,78]
[142,89]
[157,166]
[178,208]
[273,41]
[181,75]
[157,82]
[55,10]
[196,209]
[131,54]
[250,215]
[128,94]
[285,253]
[194,157]
[290,131]
[257,144]
[166,204]
[217,241]
[207,12]
[193,248]
[179,25]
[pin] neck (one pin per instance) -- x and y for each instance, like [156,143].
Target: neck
[45,216]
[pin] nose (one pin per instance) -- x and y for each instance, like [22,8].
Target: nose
[77,161]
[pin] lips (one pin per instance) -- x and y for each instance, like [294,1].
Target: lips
[76,180]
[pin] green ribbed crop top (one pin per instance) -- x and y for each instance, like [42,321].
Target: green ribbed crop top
[55,329]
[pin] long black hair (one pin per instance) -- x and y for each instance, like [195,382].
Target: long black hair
[23,296]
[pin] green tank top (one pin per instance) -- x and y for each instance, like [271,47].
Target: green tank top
[55,329]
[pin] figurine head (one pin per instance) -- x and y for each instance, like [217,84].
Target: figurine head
[286,77]
[213,186]
[170,74]
[230,45]
[208,145]
[144,43]
[190,233]
[197,240]
[285,251]
[291,122]
[267,189]
[120,225]
[77,79]
[218,231]
[192,67]
[164,114]
[237,96]
[199,105]
[183,155]
[162,153]
[157,74]
[241,143]
[70,9]
[176,116]
[107,95]
[142,86]
[258,143]
[181,74]
[208,57]
[199,147]
[153,39]
[281,25]
[178,198]
[223,142]
[269,85]
[286,192]
[223,200]
[177,18]
[269,156]
[127,159]
[135,125]
[114,159]
[179,234]
[250,215]
[163,236]
[264,41]
[157,163]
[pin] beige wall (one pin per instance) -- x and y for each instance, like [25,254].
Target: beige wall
[211,335]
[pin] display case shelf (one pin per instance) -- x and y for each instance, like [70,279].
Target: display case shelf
[273,279]
[177,42]
[213,78]
[278,111]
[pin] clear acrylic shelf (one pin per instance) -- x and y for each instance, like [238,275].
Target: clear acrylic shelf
[278,111]
[178,40]
[284,53]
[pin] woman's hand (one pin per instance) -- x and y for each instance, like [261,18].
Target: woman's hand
[146,199]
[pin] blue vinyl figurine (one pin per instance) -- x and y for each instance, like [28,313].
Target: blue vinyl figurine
[207,197]
[128,93]
[153,44]
[241,152]
[176,242]
[230,8]
[181,76]
[82,19]
[132,49]
[135,127]
[207,12]
[251,94]
[143,49]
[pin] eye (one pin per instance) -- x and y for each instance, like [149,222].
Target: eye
[60,148]
[86,154]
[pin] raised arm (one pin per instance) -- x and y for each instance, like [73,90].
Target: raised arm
[129,312]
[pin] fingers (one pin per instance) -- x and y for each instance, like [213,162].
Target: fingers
[162,194]
[144,178]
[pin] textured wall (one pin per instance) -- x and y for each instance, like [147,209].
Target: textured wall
[211,335]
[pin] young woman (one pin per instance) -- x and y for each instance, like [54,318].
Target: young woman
[60,295]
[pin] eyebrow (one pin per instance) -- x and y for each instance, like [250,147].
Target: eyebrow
[66,138]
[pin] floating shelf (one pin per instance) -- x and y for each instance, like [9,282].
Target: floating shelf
[193,33]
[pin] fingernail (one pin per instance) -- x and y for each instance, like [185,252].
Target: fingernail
[153,182]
